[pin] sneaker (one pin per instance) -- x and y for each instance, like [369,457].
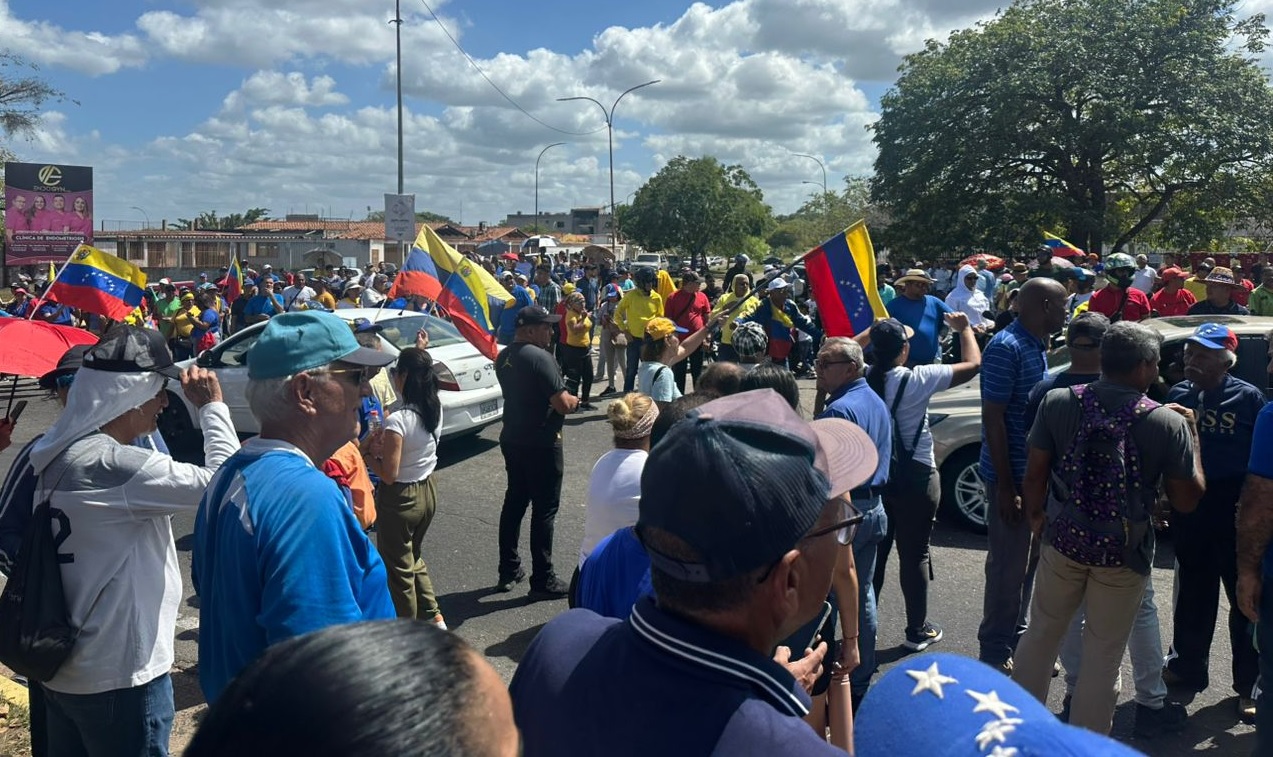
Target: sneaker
[506,583]
[1170,718]
[1246,709]
[440,622]
[928,635]
[1064,714]
[1056,669]
[587,406]
[609,391]
[1004,667]
[553,588]
[1176,681]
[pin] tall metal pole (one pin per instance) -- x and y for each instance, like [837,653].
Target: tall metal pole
[541,154]
[815,160]
[397,21]
[609,116]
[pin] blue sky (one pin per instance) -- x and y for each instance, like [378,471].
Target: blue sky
[192,105]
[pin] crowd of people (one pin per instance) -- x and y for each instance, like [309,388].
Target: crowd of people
[725,594]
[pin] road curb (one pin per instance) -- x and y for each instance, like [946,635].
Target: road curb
[14,693]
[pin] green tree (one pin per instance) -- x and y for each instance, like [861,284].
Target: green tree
[211,221]
[1089,117]
[22,97]
[696,206]
[825,215]
[422,216]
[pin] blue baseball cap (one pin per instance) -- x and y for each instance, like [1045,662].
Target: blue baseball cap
[945,704]
[1215,336]
[292,343]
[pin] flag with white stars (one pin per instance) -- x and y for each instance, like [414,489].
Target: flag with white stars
[842,275]
[98,282]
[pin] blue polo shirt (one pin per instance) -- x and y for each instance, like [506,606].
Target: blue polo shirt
[655,684]
[277,553]
[1011,365]
[508,316]
[858,402]
[615,575]
[260,305]
[1226,423]
[926,316]
[1261,463]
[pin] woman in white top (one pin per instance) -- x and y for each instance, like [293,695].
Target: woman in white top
[406,499]
[614,486]
[913,492]
[965,297]
[661,350]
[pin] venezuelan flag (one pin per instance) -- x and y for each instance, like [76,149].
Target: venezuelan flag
[842,274]
[1060,247]
[234,282]
[100,283]
[471,296]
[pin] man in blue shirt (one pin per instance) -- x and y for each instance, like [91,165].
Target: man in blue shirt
[1255,563]
[1013,362]
[738,562]
[277,553]
[916,308]
[841,367]
[1205,539]
[265,305]
[508,316]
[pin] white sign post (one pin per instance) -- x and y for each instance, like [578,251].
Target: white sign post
[400,217]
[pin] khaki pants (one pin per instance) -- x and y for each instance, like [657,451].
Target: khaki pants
[403,514]
[1113,598]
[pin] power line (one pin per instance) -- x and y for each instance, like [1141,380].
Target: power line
[495,86]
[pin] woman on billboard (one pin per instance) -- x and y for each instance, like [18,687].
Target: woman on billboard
[80,221]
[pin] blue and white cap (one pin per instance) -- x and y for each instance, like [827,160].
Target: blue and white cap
[1215,336]
[947,705]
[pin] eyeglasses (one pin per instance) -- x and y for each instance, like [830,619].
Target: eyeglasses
[824,363]
[366,373]
[845,529]
[1085,345]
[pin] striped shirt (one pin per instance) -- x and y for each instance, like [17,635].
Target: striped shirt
[1011,365]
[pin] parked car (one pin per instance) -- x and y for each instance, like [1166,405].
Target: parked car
[654,260]
[470,392]
[955,415]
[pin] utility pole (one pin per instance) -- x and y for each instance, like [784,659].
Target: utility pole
[397,22]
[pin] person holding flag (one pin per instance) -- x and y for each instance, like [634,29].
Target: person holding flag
[779,315]
[95,282]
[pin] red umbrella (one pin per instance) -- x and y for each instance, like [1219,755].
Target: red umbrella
[32,348]
[992,262]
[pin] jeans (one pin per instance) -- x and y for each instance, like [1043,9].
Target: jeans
[1112,596]
[912,508]
[576,362]
[1206,552]
[608,362]
[1011,560]
[1264,639]
[634,359]
[1144,645]
[693,365]
[534,480]
[865,545]
[120,723]
[403,514]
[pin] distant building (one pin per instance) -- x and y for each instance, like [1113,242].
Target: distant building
[590,222]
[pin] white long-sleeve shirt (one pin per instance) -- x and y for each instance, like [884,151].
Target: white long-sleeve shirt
[123,584]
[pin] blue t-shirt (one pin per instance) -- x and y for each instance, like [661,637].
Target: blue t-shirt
[508,316]
[277,553]
[1226,423]
[1261,463]
[1010,367]
[615,575]
[208,321]
[260,305]
[63,318]
[859,403]
[926,316]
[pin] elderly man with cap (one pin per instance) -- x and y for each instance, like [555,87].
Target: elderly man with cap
[780,315]
[738,563]
[1145,277]
[113,502]
[924,313]
[508,316]
[1220,288]
[1206,540]
[277,550]
[536,404]
[1173,299]
[1119,300]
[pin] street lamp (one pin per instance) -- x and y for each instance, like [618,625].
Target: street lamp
[541,154]
[609,116]
[824,169]
[144,213]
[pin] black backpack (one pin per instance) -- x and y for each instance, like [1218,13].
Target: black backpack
[36,635]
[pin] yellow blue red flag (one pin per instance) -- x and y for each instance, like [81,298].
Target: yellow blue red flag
[1060,247]
[100,283]
[842,274]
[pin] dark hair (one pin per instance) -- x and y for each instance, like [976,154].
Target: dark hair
[676,410]
[378,687]
[884,360]
[775,377]
[652,349]
[420,386]
[720,379]
[690,596]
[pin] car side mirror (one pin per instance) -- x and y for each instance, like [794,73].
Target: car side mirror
[207,359]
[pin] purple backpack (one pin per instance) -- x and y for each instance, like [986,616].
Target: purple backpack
[1096,512]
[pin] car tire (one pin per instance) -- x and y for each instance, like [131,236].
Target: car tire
[963,495]
[185,443]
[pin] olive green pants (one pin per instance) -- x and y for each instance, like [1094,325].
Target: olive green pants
[403,514]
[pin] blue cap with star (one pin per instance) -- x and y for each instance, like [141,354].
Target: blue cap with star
[945,704]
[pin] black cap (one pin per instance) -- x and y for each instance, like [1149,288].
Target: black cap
[889,334]
[131,349]
[71,362]
[532,315]
[1086,327]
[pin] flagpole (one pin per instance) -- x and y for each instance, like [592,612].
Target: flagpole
[61,270]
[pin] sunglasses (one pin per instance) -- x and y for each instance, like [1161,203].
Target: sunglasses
[360,375]
[824,363]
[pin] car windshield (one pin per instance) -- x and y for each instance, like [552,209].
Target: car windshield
[401,330]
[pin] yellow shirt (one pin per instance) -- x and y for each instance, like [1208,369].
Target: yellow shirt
[326,300]
[665,287]
[726,300]
[1196,287]
[636,309]
[582,338]
[183,322]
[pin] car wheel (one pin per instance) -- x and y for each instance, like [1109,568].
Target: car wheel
[184,442]
[963,494]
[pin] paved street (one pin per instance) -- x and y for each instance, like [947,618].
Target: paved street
[461,556]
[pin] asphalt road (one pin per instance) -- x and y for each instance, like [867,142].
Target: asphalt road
[461,552]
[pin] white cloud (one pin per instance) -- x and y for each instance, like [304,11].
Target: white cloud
[91,53]
[277,88]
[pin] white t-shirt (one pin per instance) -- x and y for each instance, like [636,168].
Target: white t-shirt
[1144,278]
[660,386]
[926,380]
[295,298]
[419,447]
[614,492]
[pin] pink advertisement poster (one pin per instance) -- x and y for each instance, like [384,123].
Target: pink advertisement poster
[48,211]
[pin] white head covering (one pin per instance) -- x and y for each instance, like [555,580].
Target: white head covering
[96,398]
[970,300]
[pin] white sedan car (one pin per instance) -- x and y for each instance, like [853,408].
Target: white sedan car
[470,393]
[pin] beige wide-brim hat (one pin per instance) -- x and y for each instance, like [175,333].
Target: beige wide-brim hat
[914,274]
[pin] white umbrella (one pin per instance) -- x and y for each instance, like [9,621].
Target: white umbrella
[540,242]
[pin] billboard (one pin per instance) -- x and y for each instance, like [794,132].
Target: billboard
[48,211]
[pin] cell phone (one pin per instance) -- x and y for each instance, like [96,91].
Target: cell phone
[17,411]
[823,614]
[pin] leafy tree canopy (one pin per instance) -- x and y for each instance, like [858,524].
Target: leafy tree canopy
[825,215]
[210,220]
[22,96]
[421,216]
[1093,118]
[696,206]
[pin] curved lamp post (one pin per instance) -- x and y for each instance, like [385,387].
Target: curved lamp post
[144,213]
[541,154]
[815,160]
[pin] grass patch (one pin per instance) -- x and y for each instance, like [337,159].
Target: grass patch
[15,737]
